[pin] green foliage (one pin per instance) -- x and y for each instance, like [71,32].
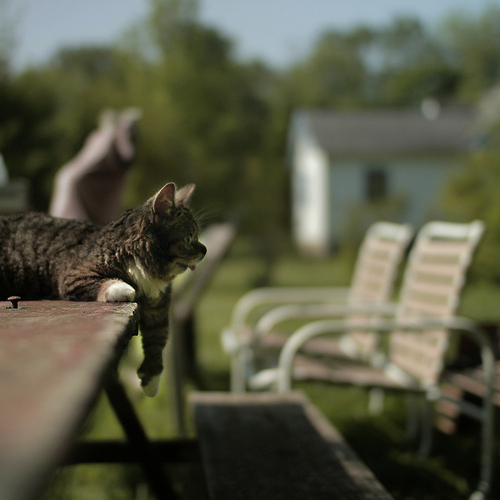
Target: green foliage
[475,194]
[334,74]
[27,131]
[413,85]
[474,46]
[8,23]
[219,123]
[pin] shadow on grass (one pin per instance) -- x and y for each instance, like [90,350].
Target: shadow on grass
[451,472]
[212,380]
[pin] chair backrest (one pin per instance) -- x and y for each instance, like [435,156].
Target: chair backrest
[432,283]
[374,275]
[378,260]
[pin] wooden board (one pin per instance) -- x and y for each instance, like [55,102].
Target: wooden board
[274,447]
[459,385]
[53,357]
[186,292]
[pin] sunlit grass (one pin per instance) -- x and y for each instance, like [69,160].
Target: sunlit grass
[481,303]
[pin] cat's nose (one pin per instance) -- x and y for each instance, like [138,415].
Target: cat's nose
[202,249]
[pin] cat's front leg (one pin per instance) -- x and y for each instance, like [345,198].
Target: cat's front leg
[153,326]
[116,291]
[153,343]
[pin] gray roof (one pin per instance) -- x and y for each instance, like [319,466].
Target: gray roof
[372,132]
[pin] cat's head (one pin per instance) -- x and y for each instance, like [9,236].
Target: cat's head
[174,230]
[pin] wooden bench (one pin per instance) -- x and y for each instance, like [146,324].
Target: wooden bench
[186,294]
[273,447]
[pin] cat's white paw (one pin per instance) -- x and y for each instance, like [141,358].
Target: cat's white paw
[117,291]
[151,388]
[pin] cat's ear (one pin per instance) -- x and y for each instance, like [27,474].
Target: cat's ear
[183,196]
[164,199]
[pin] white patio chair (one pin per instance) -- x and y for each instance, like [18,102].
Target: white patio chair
[373,279]
[419,334]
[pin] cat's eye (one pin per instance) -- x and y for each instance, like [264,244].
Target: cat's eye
[188,240]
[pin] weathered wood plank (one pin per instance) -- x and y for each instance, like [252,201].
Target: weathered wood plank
[53,357]
[187,290]
[270,446]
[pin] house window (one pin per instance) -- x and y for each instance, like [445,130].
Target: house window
[376,184]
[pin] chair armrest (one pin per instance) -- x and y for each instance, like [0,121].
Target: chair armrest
[276,296]
[308,311]
[233,335]
[454,324]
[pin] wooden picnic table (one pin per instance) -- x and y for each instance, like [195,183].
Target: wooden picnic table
[54,356]
[186,293]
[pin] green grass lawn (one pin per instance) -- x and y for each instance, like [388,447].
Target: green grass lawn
[450,473]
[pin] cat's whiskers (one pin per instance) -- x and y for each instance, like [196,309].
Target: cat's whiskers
[205,214]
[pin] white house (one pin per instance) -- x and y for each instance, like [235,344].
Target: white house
[350,168]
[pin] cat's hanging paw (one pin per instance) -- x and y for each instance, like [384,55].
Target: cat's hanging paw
[151,388]
[116,291]
[149,383]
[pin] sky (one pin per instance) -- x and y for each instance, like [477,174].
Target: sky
[275,31]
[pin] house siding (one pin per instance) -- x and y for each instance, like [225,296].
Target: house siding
[310,209]
[413,191]
[346,187]
[331,155]
[422,183]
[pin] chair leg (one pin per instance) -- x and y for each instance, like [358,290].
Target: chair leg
[239,371]
[413,420]
[376,403]
[487,451]
[426,436]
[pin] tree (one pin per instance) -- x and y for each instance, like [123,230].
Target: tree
[27,137]
[413,65]
[334,74]
[209,119]
[473,46]
[475,194]
[8,18]
[397,65]
[214,116]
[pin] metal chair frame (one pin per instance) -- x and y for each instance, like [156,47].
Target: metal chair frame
[373,280]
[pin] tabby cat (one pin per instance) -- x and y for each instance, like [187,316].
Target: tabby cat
[134,258]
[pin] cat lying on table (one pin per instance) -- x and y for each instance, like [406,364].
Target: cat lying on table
[132,259]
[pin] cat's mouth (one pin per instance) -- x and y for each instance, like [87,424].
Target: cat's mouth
[185,266]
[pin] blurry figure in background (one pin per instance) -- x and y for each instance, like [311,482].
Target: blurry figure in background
[89,187]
